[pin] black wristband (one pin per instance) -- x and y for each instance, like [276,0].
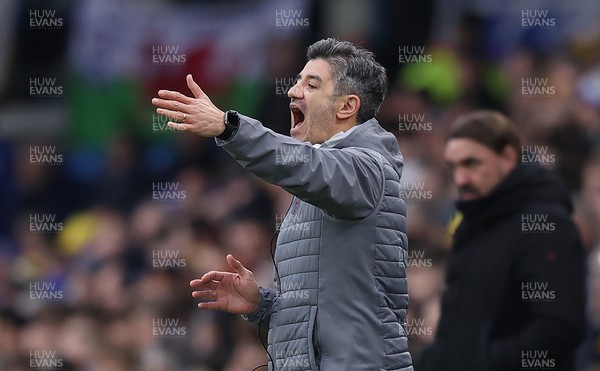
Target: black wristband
[231,121]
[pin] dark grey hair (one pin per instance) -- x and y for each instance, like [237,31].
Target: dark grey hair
[354,71]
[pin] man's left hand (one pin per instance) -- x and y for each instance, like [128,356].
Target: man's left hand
[197,115]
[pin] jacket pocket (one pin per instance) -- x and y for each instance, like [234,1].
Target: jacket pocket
[314,351]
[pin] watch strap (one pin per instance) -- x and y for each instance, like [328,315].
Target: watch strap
[231,121]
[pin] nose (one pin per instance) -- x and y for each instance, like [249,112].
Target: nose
[295,92]
[461,177]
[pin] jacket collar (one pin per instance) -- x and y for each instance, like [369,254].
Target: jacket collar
[335,139]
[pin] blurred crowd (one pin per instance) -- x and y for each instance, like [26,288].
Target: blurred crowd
[98,245]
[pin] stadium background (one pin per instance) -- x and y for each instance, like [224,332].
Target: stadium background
[105,214]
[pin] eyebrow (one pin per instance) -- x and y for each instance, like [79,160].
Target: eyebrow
[464,162]
[469,161]
[314,77]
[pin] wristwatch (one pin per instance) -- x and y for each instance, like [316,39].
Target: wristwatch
[232,121]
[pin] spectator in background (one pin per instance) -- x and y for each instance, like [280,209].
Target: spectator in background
[341,251]
[589,219]
[514,295]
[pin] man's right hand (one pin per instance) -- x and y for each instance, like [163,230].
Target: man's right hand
[236,293]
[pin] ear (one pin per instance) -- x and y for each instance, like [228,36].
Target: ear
[347,106]
[509,158]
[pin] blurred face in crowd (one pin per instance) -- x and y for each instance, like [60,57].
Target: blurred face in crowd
[590,188]
[476,168]
[313,103]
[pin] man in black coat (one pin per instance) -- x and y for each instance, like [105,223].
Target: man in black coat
[514,291]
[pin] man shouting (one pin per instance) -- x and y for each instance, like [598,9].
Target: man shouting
[340,295]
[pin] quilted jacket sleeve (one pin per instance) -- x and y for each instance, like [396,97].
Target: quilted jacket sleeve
[268,305]
[346,183]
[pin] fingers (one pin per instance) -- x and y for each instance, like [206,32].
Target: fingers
[205,290]
[198,284]
[210,298]
[211,276]
[171,105]
[237,266]
[179,127]
[194,88]
[173,115]
[176,96]
[211,305]
[205,295]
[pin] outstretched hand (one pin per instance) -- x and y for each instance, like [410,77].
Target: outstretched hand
[197,115]
[236,293]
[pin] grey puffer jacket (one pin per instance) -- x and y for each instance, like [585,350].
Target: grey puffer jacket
[340,296]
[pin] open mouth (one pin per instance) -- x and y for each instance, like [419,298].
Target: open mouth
[297,116]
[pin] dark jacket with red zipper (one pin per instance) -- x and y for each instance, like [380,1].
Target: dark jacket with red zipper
[514,291]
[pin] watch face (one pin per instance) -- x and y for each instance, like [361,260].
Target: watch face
[233,119]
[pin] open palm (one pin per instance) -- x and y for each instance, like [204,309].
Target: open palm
[236,293]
